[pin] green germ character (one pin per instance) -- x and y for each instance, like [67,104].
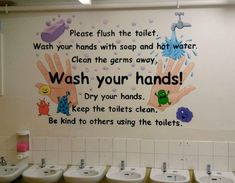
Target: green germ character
[162,96]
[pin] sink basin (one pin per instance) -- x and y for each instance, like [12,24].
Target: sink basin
[215,177]
[89,174]
[128,175]
[11,172]
[170,176]
[48,174]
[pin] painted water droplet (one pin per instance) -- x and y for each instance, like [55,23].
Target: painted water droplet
[74,67]
[48,23]
[69,21]
[66,26]
[86,55]
[118,41]
[79,93]
[133,24]
[150,21]
[157,38]
[91,89]
[105,21]
[186,62]
[142,68]
[133,88]
[133,65]
[195,54]
[192,74]
[86,69]
[129,74]
[59,42]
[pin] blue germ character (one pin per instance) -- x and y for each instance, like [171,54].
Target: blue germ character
[63,104]
[184,114]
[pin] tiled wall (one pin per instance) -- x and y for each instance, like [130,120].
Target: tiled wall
[136,152]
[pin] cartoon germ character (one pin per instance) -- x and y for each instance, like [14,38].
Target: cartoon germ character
[184,114]
[162,96]
[63,104]
[43,107]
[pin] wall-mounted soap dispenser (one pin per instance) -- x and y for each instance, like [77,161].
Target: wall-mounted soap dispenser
[23,144]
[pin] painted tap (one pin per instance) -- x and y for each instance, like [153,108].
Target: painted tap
[43,163]
[164,167]
[122,165]
[82,164]
[208,169]
[3,162]
[180,24]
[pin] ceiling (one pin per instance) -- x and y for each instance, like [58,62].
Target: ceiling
[94,2]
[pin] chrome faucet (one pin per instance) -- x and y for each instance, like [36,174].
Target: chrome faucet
[122,165]
[208,169]
[164,167]
[43,163]
[3,162]
[180,24]
[82,164]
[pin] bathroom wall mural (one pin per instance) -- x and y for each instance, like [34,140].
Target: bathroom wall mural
[111,72]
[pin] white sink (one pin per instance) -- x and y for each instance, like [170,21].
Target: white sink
[88,174]
[215,177]
[128,175]
[170,176]
[48,174]
[9,173]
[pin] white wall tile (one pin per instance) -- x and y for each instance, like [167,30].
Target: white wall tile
[92,158]
[78,144]
[203,161]
[231,149]
[64,158]
[3,143]
[118,157]
[52,157]
[12,157]
[39,144]
[231,163]
[147,146]
[119,145]
[92,144]
[161,146]
[191,148]
[133,145]
[176,161]
[147,160]
[133,160]
[37,156]
[106,158]
[77,156]
[220,163]
[190,162]
[160,158]
[205,148]
[11,143]
[176,147]
[106,144]
[52,144]
[220,149]
[65,144]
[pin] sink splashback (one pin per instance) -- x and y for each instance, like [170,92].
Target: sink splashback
[179,154]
